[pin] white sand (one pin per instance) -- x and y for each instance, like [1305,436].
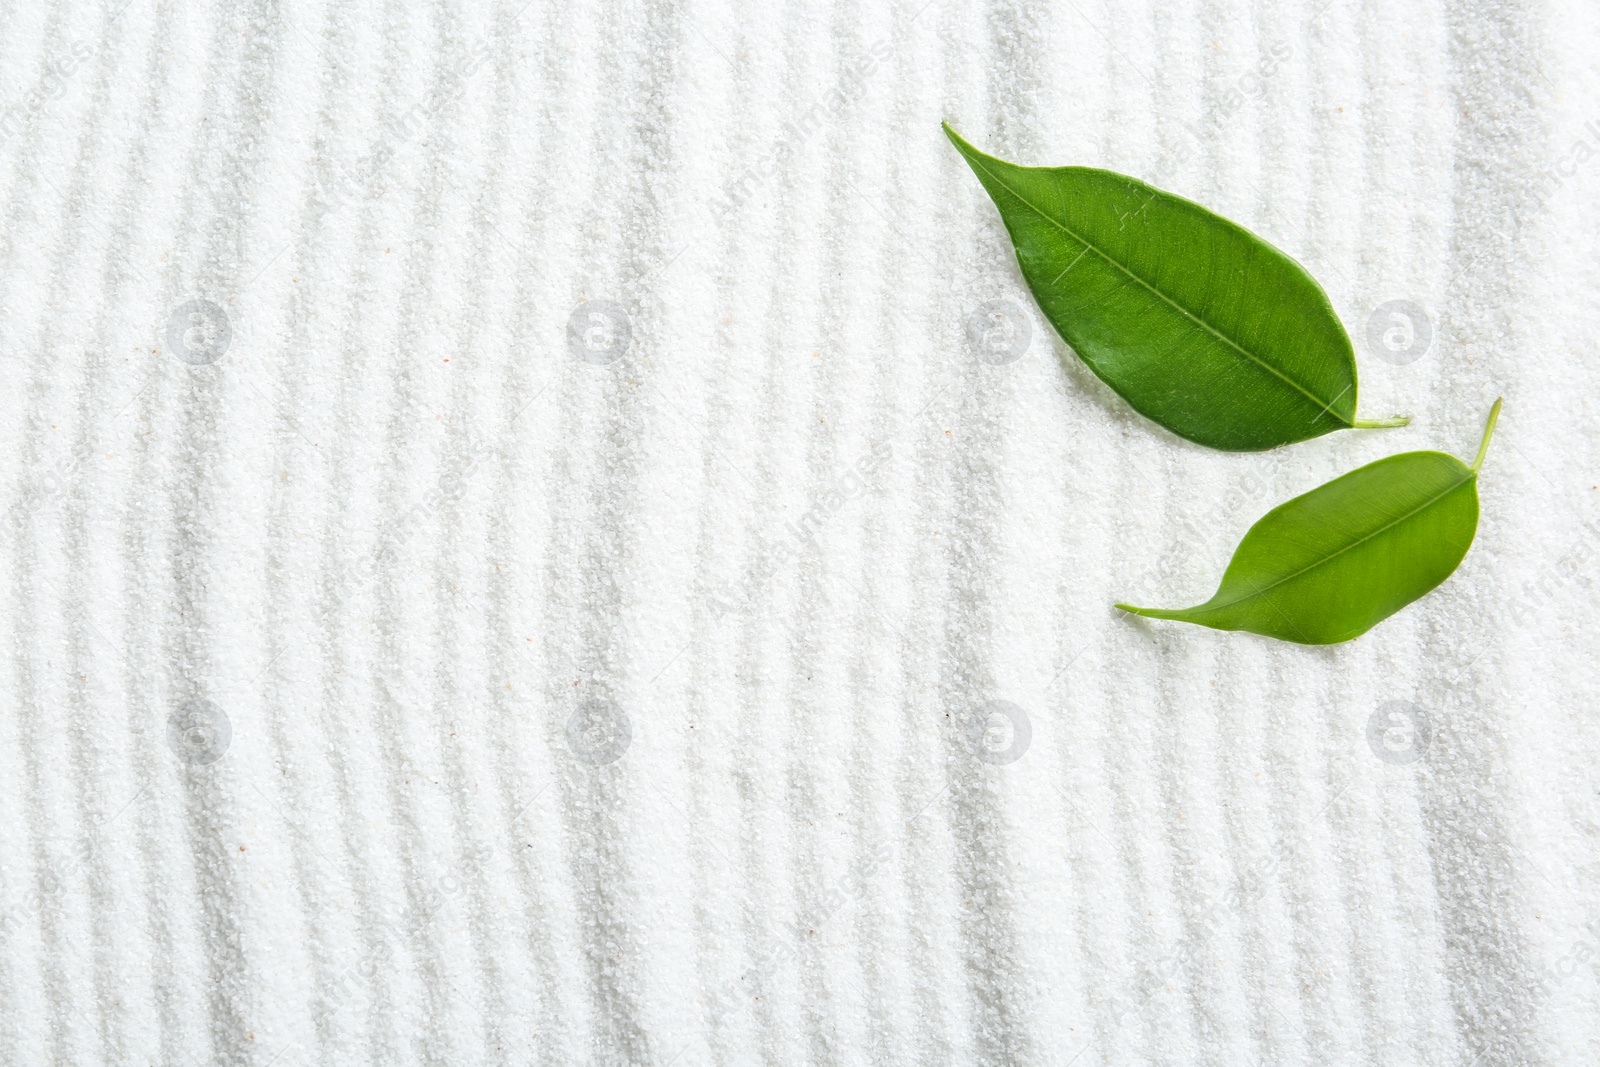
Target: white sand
[310,644]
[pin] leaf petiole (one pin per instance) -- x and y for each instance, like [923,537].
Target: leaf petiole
[1381,424]
[1488,432]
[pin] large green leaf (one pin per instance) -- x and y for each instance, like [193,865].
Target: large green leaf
[1195,321]
[1332,564]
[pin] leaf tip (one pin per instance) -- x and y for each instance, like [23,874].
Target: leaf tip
[956,139]
[1175,614]
[1488,432]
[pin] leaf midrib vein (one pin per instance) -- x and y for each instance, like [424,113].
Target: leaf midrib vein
[1391,524]
[1202,323]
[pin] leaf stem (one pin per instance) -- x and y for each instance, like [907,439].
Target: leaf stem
[1488,432]
[1381,424]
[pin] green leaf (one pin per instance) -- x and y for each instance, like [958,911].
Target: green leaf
[1332,564]
[1195,321]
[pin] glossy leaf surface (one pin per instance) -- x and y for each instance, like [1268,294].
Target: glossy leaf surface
[1199,324]
[1331,564]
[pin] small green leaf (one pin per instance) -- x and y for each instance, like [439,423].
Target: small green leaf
[1195,321]
[1332,564]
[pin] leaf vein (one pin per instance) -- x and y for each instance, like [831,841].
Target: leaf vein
[1202,323]
[1425,505]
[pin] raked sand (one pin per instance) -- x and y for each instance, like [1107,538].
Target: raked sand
[512,512]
